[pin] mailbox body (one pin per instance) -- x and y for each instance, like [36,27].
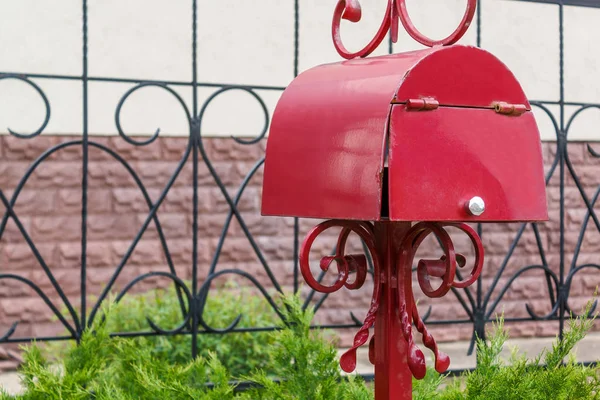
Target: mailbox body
[338,127]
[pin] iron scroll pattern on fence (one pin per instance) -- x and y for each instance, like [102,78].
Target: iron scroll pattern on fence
[479,303]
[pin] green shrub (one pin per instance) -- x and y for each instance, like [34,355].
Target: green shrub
[306,364]
[543,378]
[303,362]
[240,353]
[104,368]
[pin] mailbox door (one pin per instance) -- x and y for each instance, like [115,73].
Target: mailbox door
[440,159]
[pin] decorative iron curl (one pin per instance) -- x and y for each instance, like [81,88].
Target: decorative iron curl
[444,268]
[152,138]
[178,284]
[346,264]
[44,99]
[251,92]
[350,10]
[203,291]
[11,330]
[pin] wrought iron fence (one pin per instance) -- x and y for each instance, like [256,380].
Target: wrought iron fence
[479,303]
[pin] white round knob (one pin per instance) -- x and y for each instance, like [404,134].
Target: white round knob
[476,206]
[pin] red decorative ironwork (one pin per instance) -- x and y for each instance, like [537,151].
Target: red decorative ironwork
[396,10]
[345,265]
[393,267]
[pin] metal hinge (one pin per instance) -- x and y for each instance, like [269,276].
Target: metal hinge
[509,109]
[424,104]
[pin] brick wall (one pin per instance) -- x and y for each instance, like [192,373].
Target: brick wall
[49,207]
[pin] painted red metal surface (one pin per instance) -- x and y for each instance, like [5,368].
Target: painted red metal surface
[392,247]
[327,145]
[464,153]
[350,10]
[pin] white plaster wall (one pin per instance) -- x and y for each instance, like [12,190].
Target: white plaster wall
[251,42]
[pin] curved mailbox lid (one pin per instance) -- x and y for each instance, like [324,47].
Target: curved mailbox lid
[441,158]
[326,145]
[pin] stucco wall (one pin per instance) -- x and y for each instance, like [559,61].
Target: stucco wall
[252,43]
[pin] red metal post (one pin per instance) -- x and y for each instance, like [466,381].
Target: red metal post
[393,378]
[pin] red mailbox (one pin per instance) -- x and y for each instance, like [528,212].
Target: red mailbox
[448,123]
[443,136]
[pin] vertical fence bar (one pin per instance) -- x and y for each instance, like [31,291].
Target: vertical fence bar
[194,309]
[478,25]
[296,71]
[561,149]
[84,178]
[478,314]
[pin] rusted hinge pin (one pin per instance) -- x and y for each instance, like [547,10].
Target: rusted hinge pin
[509,109]
[422,104]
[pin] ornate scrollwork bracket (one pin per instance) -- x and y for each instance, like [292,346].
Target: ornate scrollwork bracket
[396,10]
[444,269]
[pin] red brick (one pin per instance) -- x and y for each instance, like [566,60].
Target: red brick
[98,279]
[96,153]
[573,198]
[27,149]
[180,199]
[32,309]
[548,152]
[228,150]
[48,329]
[172,225]
[584,283]
[11,173]
[181,251]
[133,152]
[590,158]
[17,257]
[34,201]
[528,242]
[12,234]
[72,152]
[591,241]
[56,228]
[108,174]
[237,250]
[156,174]
[99,254]
[588,175]
[56,174]
[575,218]
[173,149]
[69,201]
[69,281]
[127,200]
[145,253]
[12,288]
[575,151]
[497,243]
[248,201]
[112,226]
[211,225]
[555,178]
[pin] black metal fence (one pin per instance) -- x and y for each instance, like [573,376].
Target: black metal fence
[479,303]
